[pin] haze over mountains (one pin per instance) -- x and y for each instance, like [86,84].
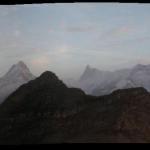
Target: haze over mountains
[45,111]
[97,82]
[56,98]
[93,81]
[17,75]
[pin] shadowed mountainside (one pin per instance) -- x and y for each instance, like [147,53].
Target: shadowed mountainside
[45,111]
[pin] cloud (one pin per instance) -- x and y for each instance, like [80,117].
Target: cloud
[80,29]
[141,39]
[114,38]
[116,32]
[63,49]
[17,33]
[6,10]
[122,30]
[40,61]
[60,50]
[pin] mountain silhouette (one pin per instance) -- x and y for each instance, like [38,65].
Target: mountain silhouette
[45,111]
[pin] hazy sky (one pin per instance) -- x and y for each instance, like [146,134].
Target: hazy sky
[64,38]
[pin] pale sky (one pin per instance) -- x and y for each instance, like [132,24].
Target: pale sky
[64,38]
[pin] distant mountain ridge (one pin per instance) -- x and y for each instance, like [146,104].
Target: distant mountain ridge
[17,75]
[138,76]
[98,82]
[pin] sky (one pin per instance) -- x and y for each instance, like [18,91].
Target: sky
[64,38]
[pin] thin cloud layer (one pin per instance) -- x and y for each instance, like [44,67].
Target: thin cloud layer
[80,29]
[62,37]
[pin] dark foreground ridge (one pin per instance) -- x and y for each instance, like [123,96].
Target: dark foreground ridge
[46,111]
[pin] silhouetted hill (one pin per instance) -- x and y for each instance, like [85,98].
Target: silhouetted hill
[45,110]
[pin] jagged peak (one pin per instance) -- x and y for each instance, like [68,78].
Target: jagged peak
[90,69]
[88,72]
[88,66]
[21,63]
[17,70]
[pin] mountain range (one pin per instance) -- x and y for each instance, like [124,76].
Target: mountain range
[93,81]
[97,82]
[45,110]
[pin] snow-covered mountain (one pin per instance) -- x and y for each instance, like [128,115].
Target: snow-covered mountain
[97,82]
[15,77]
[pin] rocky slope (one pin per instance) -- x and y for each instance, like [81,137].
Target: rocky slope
[45,111]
